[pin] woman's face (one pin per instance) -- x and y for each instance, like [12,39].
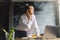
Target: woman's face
[31,10]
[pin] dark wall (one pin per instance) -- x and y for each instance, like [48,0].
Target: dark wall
[4,18]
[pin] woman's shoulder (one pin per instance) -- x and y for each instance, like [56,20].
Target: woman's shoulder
[33,15]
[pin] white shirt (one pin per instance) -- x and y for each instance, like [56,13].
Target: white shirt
[28,25]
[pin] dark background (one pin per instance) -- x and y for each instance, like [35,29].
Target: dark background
[4,17]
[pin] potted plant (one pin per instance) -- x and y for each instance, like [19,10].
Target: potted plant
[10,34]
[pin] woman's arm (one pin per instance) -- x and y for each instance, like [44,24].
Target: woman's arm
[36,27]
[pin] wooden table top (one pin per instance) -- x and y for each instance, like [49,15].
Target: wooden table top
[27,39]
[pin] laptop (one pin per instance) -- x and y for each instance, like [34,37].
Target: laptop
[50,32]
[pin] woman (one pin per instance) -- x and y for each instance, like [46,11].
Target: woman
[27,22]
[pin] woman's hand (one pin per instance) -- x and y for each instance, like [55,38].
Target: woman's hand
[28,15]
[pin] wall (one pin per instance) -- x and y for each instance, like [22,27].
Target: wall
[59,17]
[46,16]
[59,10]
[4,18]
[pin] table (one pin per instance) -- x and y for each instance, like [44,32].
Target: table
[27,39]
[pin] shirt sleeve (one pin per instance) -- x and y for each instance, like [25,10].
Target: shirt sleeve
[36,27]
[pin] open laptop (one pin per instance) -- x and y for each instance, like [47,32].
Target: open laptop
[50,32]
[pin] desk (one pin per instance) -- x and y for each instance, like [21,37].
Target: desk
[27,39]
